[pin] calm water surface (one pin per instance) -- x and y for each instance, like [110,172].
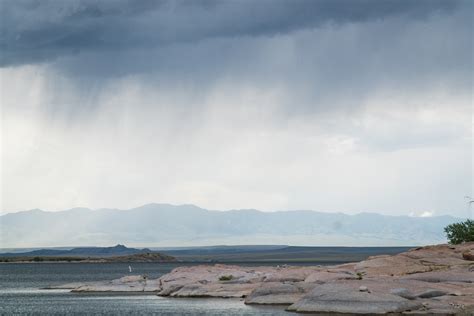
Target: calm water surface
[21,293]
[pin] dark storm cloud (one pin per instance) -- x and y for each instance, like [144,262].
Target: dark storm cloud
[318,56]
[36,31]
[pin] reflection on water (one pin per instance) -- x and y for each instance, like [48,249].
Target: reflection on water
[69,303]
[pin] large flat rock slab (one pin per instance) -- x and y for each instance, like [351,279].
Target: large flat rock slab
[338,298]
[276,293]
[135,283]
[197,280]
[451,275]
[223,290]
[433,280]
[321,277]
[417,260]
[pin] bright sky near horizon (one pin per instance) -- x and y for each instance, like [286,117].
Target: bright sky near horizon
[338,106]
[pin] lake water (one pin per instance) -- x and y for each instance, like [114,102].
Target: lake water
[21,293]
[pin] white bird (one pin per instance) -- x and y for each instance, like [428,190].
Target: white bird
[470,200]
[130,269]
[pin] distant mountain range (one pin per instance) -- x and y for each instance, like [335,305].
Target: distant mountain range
[118,253]
[162,225]
[118,250]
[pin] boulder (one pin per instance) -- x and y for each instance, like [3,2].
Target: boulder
[402,292]
[431,293]
[468,255]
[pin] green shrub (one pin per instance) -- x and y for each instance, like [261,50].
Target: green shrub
[37,259]
[460,232]
[226,277]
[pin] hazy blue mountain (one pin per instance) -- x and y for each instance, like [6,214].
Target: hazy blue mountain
[188,225]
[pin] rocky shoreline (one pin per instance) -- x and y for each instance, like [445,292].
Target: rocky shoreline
[432,280]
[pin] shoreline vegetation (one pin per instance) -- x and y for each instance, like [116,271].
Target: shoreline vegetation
[431,280]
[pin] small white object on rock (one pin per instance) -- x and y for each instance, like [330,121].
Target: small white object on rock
[363,288]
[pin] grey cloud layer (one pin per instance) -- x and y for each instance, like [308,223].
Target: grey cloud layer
[230,104]
[35,31]
[318,56]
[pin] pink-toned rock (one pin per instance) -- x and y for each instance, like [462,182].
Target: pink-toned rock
[202,276]
[391,266]
[397,283]
[450,275]
[274,293]
[468,255]
[223,290]
[289,274]
[337,298]
[133,283]
[327,276]
[418,260]
[277,293]
[426,280]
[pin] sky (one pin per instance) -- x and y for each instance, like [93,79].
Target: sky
[336,106]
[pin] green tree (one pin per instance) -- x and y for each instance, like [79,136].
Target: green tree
[460,232]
